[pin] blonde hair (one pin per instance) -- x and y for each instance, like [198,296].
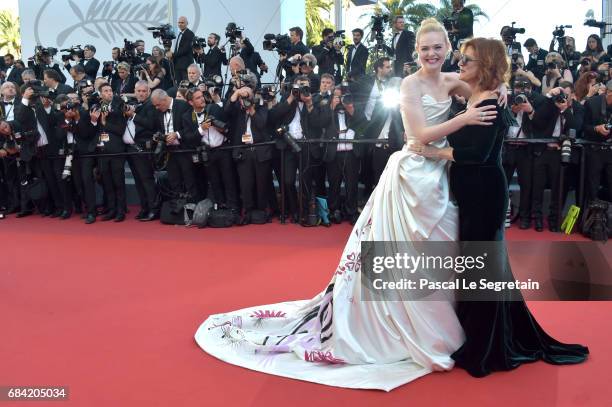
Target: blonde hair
[431,25]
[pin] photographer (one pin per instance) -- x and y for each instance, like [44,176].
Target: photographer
[517,155]
[553,119]
[182,54]
[138,137]
[250,116]
[43,59]
[296,110]
[141,56]
[194,79]
[518,69]
[158,55]
[10,72]
[556,72]
[594,49]
[34,116]
[252,59]
[340,121]
[597,120]
[307,64]
[9,152]
[297,47]
[462,23]
[110,124]
[153,73]
[573,57]
[402,45]
[52,81]
[537,57]
[588,86]
[66,119]
[214,57]
[89,62]
[9,102]
[328,53]
[109,68]
[508,35]
[357,55]
[169,122]
[123,84]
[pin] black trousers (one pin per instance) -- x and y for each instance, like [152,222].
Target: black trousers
[307,177]
[181,175]
[519,158]
[84,182]
[221,174]
[64,184]
[598,164]
[380,156]
[144,178]
[11,183]
[113,178]
[546,171]
[42,167]
[344,167]
[255,178]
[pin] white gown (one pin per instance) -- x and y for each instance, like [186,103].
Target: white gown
[338,340]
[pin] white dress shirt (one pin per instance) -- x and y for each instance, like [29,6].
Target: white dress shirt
[345,134]
[211,137]
[295,127]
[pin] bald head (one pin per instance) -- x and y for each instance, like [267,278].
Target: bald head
[182,23]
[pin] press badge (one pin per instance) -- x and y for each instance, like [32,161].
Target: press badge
[104,137]
[247,138]
[540,62]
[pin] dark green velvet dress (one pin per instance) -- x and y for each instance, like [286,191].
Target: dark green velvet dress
[500,335]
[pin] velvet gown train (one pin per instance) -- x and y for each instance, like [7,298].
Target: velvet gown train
[499,335]
[337,338]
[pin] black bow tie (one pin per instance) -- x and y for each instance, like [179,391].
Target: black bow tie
[8,103]
[200,114]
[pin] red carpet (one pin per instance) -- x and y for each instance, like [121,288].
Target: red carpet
[110,310]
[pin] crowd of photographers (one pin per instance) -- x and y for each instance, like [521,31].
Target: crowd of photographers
[172,110]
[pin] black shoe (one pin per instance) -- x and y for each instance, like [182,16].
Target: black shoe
[11,210]
[246,219]
[23,214]
[109,216]
[120,217]
[46,213]
[78,210]
[142,214]
[91,218]
[539,226]
[57,213]
[336,217]
[525,223]
[295,218]
[65,215]
[84,216]
[149,217]
[553,225]
[354,219]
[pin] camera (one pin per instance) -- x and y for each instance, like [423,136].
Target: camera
[160,148]
[279,42]
[560,30]
[232,31]
[199,43]
[93,100]
[268,93]
[449,22]
[378,22]
[566,145]
[560,98]
[608,125]
[510,32]
[165,33]
[283,132]
[520,98]
[41,52]
[73,51]
[81,85]
[552,65]
[300,90]
[138,68]
[128,102]
[215,82]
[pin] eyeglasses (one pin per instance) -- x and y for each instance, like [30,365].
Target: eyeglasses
[464,59]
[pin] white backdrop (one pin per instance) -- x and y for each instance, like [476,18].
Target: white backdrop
[105,23]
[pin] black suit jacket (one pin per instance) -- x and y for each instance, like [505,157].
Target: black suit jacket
[86,135]
[357,64]
[3,111]
[144,121]
[596,113]
[183,57]
[179,108]
[25,116]
[403,51]
[128,87]
[63,89]
[259,130]
[15,76]
[192,135]
[115,127]
[328,120]
[545,118]
[91,68]
[283,113]
[213,59]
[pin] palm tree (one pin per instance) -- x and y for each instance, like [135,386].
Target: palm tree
[446,9]
[10,39]
[315,22]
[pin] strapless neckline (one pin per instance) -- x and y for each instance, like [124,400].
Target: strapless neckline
[434,99]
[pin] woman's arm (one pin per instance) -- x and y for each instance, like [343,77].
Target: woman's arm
[414,116]
[458,87]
